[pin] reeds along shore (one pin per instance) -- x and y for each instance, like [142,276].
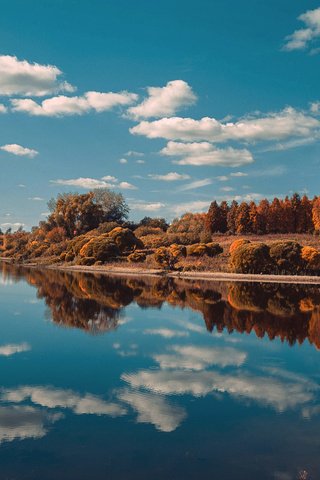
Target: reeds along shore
[95,302]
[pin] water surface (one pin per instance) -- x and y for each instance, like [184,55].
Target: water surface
[109,378]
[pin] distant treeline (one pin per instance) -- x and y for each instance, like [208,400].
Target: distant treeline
[289,215]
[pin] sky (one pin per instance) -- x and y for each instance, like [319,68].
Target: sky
[172,103]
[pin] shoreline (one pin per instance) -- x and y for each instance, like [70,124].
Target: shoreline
[192,275]
[208,276]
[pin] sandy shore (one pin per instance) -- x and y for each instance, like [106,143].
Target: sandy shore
[208,276]
[148,272]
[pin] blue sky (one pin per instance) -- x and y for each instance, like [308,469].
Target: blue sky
[173,103]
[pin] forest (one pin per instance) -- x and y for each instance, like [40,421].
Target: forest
[278,236]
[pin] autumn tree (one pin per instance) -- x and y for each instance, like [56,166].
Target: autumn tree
[316,214]
[231,217]
[75,213]
[242,223]
[216,219]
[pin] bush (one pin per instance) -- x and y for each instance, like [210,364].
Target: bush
[100,248]
[200,249]
[86,261]
[311,256]
[125,239]
[137,257]
[237,243]
[164,258]
[178,251]
[147,230]
[251,258]
[213,249]
[287,256]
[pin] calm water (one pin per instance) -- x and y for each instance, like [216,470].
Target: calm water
[107,378]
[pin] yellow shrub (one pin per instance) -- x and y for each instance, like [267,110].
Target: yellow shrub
[237,243]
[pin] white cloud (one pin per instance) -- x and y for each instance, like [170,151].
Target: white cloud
[227,189]
[140,161]
[196,184]
[170,177]
[196,206]
[300,39]
[21,422]
[165,332]
[109,178]
[266,390]
[238,174]
[90,183]
[164,101]
[19,150]
[191,357]
[273,126]
[36,199]
[154,409]
[11,349]
[205,153]
[123,160]
[3,108]
[81,182]
[62,105]
[222,178]
[14,225]
[23,78]
[54,397]
[126,186]
[147,206]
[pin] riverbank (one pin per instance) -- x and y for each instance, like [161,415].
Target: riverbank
[208,276]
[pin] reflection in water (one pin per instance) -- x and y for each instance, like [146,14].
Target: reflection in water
[95,303]
[158,388]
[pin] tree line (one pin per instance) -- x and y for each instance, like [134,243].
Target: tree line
[288,215]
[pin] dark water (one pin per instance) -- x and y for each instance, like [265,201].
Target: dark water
[105,378]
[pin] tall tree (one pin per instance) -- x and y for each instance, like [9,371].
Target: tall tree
[243,224]
[231,217]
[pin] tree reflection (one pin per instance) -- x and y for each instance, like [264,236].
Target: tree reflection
[95,302]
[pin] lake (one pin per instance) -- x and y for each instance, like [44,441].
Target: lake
[155,378]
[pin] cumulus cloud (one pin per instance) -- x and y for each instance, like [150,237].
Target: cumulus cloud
[12,348]
[196,206]
[91,183]
[62,105]
[193,357]
[18,150]
[204,153]
[19,77]
[123,160]
[163,101]
[154,409]
[21,422]
[3,108]
[273,126]
[146,206]
[170,177]
[54,397]
[302,38]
